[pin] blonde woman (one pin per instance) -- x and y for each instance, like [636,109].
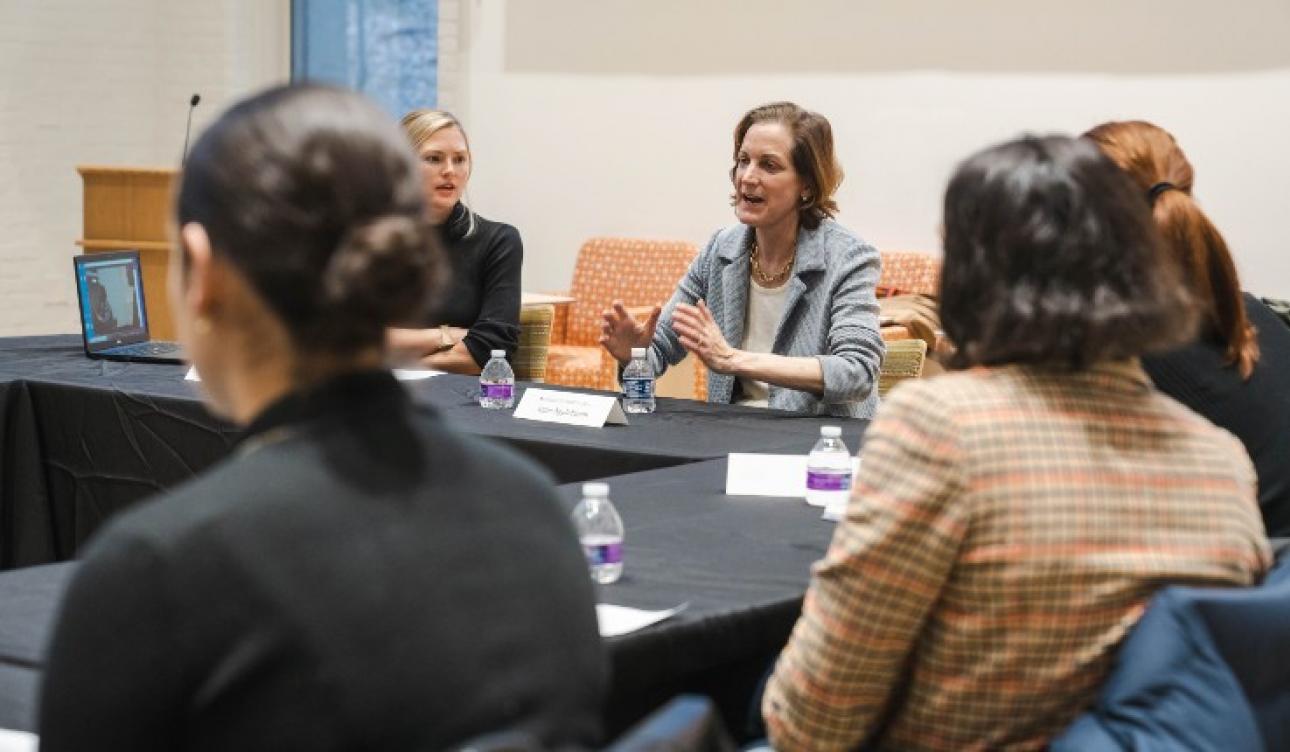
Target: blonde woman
[479,311]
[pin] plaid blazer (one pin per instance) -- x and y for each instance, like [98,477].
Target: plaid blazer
[1007,528]
[831,314]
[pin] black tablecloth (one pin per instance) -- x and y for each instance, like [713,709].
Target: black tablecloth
[742,564]
[82,439]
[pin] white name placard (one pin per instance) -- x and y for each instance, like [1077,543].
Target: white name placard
[769,474]
[570,408]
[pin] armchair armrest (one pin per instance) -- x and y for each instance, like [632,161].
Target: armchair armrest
[560,323]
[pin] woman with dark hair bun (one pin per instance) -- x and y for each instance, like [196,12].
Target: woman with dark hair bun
[356,575]
[1010,521]
[1236,372]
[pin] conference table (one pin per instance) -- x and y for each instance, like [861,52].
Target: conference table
[84,439]
[740,564]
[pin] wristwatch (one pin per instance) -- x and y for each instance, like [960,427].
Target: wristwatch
[445,339]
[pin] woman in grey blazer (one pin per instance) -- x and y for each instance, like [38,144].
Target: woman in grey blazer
[781,306]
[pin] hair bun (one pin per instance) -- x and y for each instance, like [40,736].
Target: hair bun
[383,272]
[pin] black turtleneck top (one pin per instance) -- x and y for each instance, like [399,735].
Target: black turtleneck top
[484,292]
[357,576]
[1257,410]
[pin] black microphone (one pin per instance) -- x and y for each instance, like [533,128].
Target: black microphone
[192,105]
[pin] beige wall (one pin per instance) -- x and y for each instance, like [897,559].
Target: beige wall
[615,117]
[106,82]
[592,117]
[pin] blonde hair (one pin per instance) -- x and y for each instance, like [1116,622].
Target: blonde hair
[421,124]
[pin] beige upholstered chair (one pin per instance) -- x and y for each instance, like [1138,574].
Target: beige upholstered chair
[904,361]
[535,341]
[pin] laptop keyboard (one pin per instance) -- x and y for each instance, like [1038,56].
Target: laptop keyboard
[156,349]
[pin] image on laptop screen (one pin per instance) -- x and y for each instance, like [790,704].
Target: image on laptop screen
[111,295]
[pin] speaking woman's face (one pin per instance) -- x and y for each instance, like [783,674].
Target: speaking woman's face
[445,170]
[768,189]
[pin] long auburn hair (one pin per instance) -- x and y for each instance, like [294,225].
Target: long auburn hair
[1154,160]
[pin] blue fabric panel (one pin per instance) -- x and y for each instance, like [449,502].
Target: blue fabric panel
[387,49]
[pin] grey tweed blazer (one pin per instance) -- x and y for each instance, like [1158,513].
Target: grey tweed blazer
[831,313]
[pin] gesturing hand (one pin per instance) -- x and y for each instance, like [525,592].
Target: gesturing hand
[700,335]
[620,332]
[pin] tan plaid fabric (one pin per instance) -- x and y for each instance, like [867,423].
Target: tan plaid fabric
[1007,530]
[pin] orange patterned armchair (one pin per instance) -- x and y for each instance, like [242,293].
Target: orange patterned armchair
[639,272]
[905,272]
[909,273]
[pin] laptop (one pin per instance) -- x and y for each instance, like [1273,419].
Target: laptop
[114,319]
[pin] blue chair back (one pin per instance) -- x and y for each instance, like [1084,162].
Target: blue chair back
[689,723]
[1206,668]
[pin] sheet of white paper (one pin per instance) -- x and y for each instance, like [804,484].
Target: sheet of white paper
[621,620]
[415,374]
[18,741]
[781,475]
[192,374]
[834,513]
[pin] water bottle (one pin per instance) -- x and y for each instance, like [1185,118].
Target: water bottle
[638,384]
[497,383]
[600,531]
[828,470]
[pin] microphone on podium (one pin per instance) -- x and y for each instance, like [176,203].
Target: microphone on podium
[192,105]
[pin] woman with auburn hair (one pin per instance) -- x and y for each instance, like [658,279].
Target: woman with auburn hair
[480,310]
[1010,521]
[781,306]
[1237,371]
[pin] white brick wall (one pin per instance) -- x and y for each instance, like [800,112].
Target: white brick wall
[106,82]
[450,81]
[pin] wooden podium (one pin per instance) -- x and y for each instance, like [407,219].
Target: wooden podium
[128,208]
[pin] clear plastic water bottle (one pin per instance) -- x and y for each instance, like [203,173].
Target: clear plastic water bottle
[600,530]
[497,383]
[638,384]
[828,470]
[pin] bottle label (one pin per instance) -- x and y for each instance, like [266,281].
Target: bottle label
[604,553]
[497,391]
[638,389]
[828,480]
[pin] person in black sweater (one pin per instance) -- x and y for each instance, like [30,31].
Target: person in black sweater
[356,575]
[1237,372]
[480,310]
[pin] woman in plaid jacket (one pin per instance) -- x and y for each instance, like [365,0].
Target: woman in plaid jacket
[1011,520]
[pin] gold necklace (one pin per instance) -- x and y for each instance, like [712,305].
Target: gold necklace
[770,280]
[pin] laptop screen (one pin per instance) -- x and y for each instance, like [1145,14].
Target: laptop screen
[110,289]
